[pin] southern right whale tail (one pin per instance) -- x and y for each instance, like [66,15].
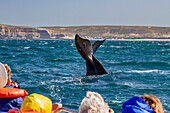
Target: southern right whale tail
[94,67]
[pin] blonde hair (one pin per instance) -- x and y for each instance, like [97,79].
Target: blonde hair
[153,102]
[93,103]
[8,69]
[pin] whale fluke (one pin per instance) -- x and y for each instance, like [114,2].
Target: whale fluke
[86,50]
[96,45]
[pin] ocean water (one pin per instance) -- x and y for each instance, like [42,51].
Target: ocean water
[55,69]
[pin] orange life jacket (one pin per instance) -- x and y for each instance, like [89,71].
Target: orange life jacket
[13,92]
[11,98]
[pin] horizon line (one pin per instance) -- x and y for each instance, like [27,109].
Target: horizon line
[86,25]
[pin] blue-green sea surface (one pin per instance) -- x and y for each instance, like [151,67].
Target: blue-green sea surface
[55,69]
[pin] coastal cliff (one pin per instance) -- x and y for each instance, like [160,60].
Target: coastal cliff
[109,32]
[17,32]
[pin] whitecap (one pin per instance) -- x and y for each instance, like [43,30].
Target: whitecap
[26,47]
[45,43]
[102,46]
[143,71]
[43,83]
[72,45]
[55,59]
[117,101]
[128,84]
[116,46]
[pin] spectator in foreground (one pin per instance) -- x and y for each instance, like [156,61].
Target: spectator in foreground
[153,102]
[94,103]
[143,104]
[10,98]
[36,103]
[9,81]
[3,76]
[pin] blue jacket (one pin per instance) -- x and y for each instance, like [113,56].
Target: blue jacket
[10,103]
[136,105]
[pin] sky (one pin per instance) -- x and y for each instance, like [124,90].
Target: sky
[40,13]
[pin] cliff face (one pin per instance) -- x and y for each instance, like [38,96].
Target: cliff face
[117,32]
[14,32]
[110,32]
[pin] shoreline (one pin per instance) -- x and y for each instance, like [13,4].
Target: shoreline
[144,39]
[138,39]
[96,39]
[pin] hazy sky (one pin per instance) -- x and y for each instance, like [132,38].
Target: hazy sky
[85,12]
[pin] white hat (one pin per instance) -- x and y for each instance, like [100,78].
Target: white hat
[3,76]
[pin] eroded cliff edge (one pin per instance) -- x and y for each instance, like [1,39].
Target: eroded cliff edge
[109,32]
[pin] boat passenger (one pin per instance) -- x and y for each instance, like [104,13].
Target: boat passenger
[9,81]
[153,102]
[10,98]
[143,104]
[94,103]
[36,103]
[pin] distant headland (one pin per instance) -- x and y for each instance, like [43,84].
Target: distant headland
[91,32]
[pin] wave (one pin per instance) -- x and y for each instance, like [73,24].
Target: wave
[142,71]
[26,47]
[139,63]
[137,71]
[117,101]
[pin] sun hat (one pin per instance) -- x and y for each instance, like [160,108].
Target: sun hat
[3,76]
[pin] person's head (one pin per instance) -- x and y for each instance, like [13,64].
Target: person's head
[8,69]
[36,103]
[143,104]
[93,103]
[153,102]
